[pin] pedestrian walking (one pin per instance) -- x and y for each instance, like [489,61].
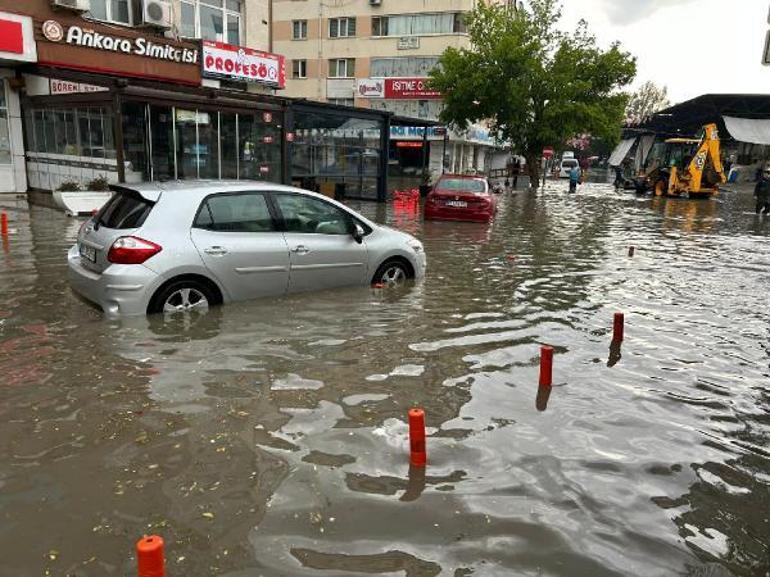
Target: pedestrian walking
[516,171]
[574,178]
[762,192]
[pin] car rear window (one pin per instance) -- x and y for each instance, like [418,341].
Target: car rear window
[461,185]
[569,163]
[124,210]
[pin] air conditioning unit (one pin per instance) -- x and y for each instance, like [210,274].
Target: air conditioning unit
[76,5]
[375,2]
[157,13]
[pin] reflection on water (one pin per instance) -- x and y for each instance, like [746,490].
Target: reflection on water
[270,437]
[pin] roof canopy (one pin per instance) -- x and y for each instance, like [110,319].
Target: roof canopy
[687,118]
[755,131]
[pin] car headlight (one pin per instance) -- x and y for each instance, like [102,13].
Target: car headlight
[415,245]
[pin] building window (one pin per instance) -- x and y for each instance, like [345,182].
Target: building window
[342,68]
[418,24]
[118,11]
[299,30]
[299,68]
[342,27]
[342,101]
[217,20]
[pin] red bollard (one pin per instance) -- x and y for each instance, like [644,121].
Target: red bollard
[149,557]
[4,224]
[617,328]
[546,366]
[418,455]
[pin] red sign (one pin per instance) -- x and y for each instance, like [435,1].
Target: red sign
[408,144]
[409,89]
[240,63]
[548,152]
[11,37]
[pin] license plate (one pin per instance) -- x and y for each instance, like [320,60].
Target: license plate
[87,252]
[457,203]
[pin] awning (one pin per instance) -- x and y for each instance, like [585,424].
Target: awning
[751,130]
[621,150]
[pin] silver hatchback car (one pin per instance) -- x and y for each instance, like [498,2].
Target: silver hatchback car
[167,247]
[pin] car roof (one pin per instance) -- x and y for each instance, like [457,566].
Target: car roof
[464,176]
[198,188]
[195,191]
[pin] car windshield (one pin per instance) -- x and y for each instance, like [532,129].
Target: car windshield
[462,185]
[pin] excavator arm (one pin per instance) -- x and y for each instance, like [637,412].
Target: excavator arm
[709,149]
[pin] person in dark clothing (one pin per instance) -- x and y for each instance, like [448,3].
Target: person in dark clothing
[762,192]
[516,171]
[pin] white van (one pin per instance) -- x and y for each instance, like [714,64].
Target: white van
[567,164]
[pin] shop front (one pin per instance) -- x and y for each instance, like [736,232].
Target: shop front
[17,48]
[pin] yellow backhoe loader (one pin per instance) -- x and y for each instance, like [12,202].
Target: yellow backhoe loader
[684,166]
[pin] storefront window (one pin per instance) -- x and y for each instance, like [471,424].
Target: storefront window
[5,134]
[337,154]
[259,147]
[162,139]
[228,141]
[83,132]
[217,20]
[135,139]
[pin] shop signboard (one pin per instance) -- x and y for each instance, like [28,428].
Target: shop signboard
[239,63]
[409,89]
[67,87]
[17,38]
[66,40]
[371,88]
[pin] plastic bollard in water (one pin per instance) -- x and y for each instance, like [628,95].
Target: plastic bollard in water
[149,557]
[546,366]
[418,455]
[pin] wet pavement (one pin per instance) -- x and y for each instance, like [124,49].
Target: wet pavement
[269,438]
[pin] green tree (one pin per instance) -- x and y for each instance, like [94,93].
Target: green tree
[649,99]
[535,84]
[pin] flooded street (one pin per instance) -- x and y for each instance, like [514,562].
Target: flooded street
[270,438]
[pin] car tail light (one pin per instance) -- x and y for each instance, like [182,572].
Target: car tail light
[132,250]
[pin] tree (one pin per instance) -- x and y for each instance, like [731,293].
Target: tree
[649,99]
[536,85]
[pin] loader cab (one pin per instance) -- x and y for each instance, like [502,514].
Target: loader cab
[676,152]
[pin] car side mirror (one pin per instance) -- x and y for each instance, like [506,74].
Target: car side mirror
[358,233]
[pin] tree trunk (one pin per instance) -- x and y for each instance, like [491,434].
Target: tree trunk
[533,169]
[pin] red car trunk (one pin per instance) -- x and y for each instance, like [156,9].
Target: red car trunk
[460,198]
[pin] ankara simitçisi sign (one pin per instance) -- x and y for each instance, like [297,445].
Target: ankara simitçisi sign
[222,60]
[409,89]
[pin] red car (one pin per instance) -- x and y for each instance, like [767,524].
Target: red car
[460,197]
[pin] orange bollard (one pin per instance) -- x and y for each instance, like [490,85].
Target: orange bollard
[418,456]
[546,366]
[149,557]
[631,251]
[4,224]
[617,328]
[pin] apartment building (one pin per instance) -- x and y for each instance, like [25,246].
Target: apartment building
[377,54]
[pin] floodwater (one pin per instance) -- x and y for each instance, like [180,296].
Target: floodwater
[269,438]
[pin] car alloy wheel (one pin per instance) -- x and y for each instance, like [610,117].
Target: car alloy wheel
[186,299]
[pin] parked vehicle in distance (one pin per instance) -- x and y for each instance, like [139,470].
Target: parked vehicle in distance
[461,197]
[168,247]
[567,164]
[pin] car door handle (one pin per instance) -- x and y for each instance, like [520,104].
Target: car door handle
[215,250]
[301,249]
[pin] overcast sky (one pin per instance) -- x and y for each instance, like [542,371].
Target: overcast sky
[693,47]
